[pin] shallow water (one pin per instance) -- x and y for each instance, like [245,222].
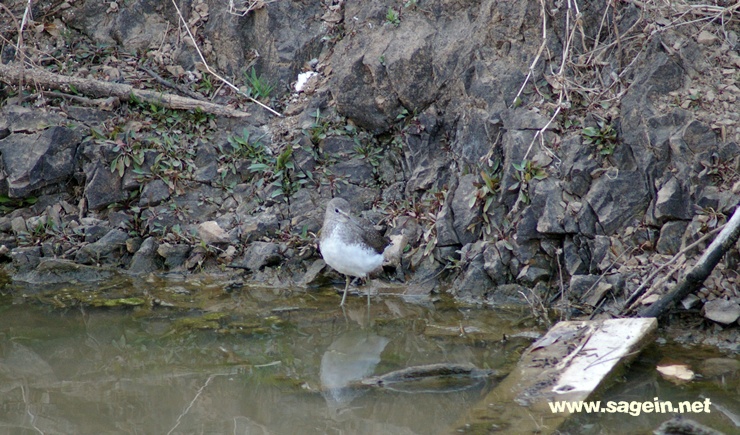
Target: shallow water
[262,361]
[263,366]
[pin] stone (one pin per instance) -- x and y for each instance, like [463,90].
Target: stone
[497,258]
[260,225]
[338,145]
[174,255]
[721,311]
[103,187]
[669,242]
[34,161]
[616,201]
[706,38]
[673,201]
[211,233]
[473,283]
[56,271]
[25,258]
[356,171]
[206,162]
[146,259]
[109,248]
[446,235]
[260,255]
[463,214]
[18,225]
[153,193]
[576,256]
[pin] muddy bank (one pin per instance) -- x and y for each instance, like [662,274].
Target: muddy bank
[556,165]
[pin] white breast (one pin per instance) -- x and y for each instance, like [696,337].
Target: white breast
[349,259]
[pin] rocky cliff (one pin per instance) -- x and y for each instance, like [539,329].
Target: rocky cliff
[563,150]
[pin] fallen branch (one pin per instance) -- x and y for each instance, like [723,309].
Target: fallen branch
[14,73]
[701,270]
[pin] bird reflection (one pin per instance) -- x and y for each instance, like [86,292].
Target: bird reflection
[350,358]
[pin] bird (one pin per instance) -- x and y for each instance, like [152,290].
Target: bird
[349,244]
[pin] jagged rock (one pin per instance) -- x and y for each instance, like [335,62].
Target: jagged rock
[721,311]
[394,251]
[206,160]
[260,255]
[153,193]
[533,273]
[446,235]
[338,145]
[145,259]
[576,255]
[258,226]
[617,200]
[424,156]
[580,284]
[312,273]
[474,137]
[552,213]
[473,283]
[356,171]
[463,214]
[109,247]
[599,248]
[18,225]
[673,201]
[211,233]
[25,258]
[410,228]
[669,242]
[34,161]
[95,232]
[680,425]
[174,255]
[497,258]
[507,294]
[103,186]
[55,271]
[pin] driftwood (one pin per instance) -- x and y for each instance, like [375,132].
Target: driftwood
[701,269]
[416,373]
[14,74]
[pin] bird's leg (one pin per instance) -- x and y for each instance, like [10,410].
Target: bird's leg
[346,286]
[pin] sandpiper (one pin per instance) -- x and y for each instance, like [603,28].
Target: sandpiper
[350,244]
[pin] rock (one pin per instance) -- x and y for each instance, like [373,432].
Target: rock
[706,38]
[110,247]
[673,201]
[174,255]
[34,161]
[257,226]
[719,367]
[679,425]
[669,242]
[211,233]
[206,160]
[356,171]
[93,233]
[532,274]
[576,255]
[25,258]
[507,294]
[550,219]
[55,271]
[496,260]
[580,284]
[103,187]
[18,225]
[463,214]
[312,273]
[146,259]
[721,311]
[617,200]
[446,235]
[473,283]
[260,255]
[394,251]
[338,145]
[153,193]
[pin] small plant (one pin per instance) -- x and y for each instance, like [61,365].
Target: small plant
[129,153]
[603,137]
[392,17]
[259,87]
[526,171]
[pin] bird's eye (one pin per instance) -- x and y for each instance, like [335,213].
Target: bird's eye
[336,210]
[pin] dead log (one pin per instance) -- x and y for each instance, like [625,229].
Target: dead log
[701,270]
[14,74]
